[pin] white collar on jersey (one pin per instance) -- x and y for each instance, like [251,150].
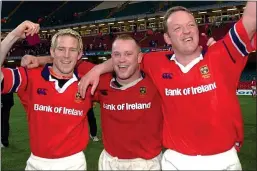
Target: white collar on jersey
[66,85]
[187,68]
[127,85]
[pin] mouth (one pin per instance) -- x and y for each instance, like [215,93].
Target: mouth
[123,68]
[188,39]
[65,62]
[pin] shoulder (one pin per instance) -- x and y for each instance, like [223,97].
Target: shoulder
[161,54]
[216,49]
[147,82]
[34,73]
[83,67]
[105,80]
[85,64]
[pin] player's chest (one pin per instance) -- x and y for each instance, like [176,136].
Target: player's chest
[46,93]
[135,99]
[172,81]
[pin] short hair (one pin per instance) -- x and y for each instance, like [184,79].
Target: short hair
[127,37]
[171,11]
[68,32]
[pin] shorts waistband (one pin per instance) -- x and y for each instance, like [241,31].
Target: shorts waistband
[77,155]
[130,160]
[228,152]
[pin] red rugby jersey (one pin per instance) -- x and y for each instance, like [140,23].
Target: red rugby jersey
[131,119]
[57,117]
[202,113]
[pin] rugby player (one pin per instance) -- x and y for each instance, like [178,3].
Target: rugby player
[57,115]
[131,115]
[202,116]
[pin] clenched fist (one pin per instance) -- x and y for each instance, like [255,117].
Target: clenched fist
[26,28]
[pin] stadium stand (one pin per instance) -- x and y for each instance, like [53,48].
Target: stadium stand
[100,21]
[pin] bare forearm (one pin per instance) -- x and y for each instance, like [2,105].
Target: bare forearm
[6,45]
[105,67]
[249,18]
[44,60]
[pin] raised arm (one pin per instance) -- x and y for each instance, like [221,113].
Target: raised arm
[249,18]
[21,31]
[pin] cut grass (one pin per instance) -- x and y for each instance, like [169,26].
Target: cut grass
[15,156]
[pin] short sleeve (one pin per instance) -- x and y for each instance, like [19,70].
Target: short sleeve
[14,79]
[237,42]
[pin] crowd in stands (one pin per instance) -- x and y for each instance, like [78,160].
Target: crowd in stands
[22,48]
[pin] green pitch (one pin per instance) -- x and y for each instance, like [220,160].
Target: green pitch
[15,156]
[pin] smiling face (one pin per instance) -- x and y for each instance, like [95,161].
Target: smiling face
[126,57]
[66,51]
[182,32]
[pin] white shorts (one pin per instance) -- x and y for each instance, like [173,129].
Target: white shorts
[253,87]
[108,162]
[74,162]
[228,160]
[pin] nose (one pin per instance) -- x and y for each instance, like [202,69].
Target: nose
[186,30]
[67,54]
[122,59]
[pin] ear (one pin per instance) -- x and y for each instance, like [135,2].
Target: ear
[167,38]
[139,57]
[80,55]
[52,52]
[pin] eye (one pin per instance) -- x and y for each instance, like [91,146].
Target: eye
[176,28]
[128,54]
[73,50]
[60,49]
[116,54]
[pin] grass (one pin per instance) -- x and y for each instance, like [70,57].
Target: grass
[15,156]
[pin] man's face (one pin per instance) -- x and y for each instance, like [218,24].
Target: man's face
[66,54]
[126,58]
[183,33]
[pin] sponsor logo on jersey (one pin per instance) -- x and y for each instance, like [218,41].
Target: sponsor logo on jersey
[58,110]
[78,98]
[41,91]
[167,75]
[205,71]
[142,90]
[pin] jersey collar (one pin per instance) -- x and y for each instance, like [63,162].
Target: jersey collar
[46,73]
[116,85]
[187,68]
[47,76]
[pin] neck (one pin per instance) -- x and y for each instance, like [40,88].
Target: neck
[185,59]
[59,74]
[135,76]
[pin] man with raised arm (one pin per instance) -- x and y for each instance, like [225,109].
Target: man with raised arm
[57,115]
[203,124]
[131,113]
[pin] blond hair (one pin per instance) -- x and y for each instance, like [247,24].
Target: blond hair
[67,32]
[127,37]
[171,11]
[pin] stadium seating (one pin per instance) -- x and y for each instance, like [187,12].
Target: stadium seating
[62,12]
[32,12]
[65,14]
